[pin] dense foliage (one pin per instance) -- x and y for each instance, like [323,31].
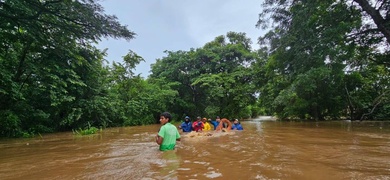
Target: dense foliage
[326,59]
[213,80]
[320,59]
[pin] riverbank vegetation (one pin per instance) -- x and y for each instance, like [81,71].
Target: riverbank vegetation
[319,60]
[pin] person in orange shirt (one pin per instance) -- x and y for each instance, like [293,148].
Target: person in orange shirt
[198,125]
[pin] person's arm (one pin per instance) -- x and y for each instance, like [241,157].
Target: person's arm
[178,136]
[159,139]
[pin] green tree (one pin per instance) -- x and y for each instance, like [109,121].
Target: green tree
[48,65]
[311,47]
[137,101]
[214,80]
[379,12]
[367,92]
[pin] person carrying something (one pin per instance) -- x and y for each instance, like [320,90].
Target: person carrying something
[186,126]
[207,125]
[236,125]
[168,134]
[198,125]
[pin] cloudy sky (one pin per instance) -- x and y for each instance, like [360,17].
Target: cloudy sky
[177,25]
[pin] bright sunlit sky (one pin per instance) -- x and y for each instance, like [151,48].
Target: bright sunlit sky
[177,25]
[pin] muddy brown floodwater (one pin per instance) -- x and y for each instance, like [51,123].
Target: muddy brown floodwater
[264,150]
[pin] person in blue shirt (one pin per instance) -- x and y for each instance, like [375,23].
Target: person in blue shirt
[186,126]
[236,125]
[215,122]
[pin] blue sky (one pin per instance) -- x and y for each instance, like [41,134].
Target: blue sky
[177,25]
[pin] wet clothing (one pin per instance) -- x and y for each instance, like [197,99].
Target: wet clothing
[237,127]
[169,133]
[207,126]
[215,123]
[186,126]
[197,126]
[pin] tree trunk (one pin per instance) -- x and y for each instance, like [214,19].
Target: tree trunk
[377,17]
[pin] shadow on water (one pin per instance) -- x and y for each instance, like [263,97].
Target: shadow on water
[266,149]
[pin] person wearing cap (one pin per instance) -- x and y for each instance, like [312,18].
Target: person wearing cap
[186,126]
[168,133]
[215,122]
[198,124]
[207,125]
[236,125]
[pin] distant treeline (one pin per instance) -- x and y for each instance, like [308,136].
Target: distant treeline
[319,60]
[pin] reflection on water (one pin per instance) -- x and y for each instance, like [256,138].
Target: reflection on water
[264,150]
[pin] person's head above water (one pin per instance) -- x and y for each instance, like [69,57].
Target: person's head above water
[236,121]
[165,117]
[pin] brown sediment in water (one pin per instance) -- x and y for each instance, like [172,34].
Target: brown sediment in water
[265,150]
[206,134]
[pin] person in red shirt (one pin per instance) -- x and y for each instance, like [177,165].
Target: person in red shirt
[198,124]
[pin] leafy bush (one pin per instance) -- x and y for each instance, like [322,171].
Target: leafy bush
[87,131]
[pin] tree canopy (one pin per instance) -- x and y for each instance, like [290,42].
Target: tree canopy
[49,69]
[213,80]
[319,60]
[316,48]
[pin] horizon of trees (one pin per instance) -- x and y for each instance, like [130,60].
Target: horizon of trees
[319,60]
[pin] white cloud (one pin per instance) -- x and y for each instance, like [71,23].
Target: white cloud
[177,25]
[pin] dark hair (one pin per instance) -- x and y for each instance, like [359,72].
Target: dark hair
[167,115]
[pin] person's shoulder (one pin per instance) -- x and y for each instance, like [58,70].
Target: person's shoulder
[168,124]
[171,125]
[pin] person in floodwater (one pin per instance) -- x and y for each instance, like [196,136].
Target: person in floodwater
[168,134]
[186,126]
[215,123]
[207,125]
[198,125]
[236,125]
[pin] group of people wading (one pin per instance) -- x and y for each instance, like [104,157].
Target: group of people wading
[204,124]
[168,133]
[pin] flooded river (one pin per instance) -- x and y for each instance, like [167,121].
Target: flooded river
[264,150]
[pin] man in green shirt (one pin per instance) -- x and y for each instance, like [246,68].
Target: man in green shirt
[168,134]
